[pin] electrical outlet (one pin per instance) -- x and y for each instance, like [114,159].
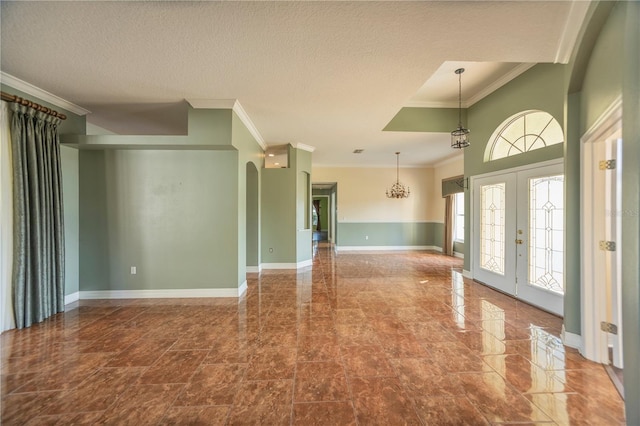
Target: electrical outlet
[270,250]
[366,237]
[134,270]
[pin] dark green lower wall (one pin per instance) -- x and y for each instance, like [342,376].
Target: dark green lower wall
[354,234]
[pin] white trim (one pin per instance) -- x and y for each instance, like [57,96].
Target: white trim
[449,160]
[486,91]
[606,123]
[304,147]
[504,79]
[298,265]
[244,117]
[467,274]
[571,339]
[254,269]
[386,248]
[242,289]
[592,295]
[531,166]
[73,297]
[41,94]
[572,26]
[390,221]
[234,105]
[457,254]
[163,293]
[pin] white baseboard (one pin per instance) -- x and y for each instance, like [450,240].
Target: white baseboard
[457,254]
[242,289]
[383,248]
[254,269]
[298,265]
[164,293]
[467,274]
[571,339]
[73,297]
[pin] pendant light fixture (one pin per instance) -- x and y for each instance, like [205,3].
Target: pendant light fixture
[460,136]
[398,190]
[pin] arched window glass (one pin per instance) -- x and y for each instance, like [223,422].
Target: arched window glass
[524,132]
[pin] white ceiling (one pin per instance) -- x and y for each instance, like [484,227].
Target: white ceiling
[326,74]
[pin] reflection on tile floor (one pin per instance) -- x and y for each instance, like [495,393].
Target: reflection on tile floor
[361,338]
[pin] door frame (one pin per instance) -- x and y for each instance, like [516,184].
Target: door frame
[474,213]
[594,309]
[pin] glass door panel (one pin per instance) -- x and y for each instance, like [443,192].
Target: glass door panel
[540,224]
[493,228]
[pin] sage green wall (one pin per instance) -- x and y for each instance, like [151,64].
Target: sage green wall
[631,209]
[457,247]
[278,217]
[172,214]
[540,88]
[249,151]
[300,160]
[572,213]
[253,216]
[207,129]
[70,187]
[353,234]
[324,210]
[613,68]
[71,199]
[411,119]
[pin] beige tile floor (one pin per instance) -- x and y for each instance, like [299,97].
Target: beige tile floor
[361,338]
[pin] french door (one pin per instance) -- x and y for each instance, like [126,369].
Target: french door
[518,234]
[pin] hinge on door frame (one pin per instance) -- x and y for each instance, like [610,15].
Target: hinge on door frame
[607,245]
[607,164]
[607,327]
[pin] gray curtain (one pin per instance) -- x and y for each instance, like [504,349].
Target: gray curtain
[38,242]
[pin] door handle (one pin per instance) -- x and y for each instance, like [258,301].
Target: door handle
[519,241]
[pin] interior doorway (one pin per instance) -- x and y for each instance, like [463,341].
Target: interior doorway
[602,327]
[324,212]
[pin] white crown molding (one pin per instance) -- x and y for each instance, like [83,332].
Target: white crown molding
[430,104]
[234,105]
[492,87]
[368,166]
[304,147]
[41,94]
[572,27]
[487,90]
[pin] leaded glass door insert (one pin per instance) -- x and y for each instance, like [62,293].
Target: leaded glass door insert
[492,227]
[546,233]
[492,231]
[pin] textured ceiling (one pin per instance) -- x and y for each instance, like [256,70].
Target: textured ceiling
[326,74]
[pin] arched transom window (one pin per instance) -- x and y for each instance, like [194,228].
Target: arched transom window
[523,132]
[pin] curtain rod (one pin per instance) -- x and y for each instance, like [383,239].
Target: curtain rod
[22,101]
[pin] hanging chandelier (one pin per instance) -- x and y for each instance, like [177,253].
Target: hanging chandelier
[460,136]
[398,190]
